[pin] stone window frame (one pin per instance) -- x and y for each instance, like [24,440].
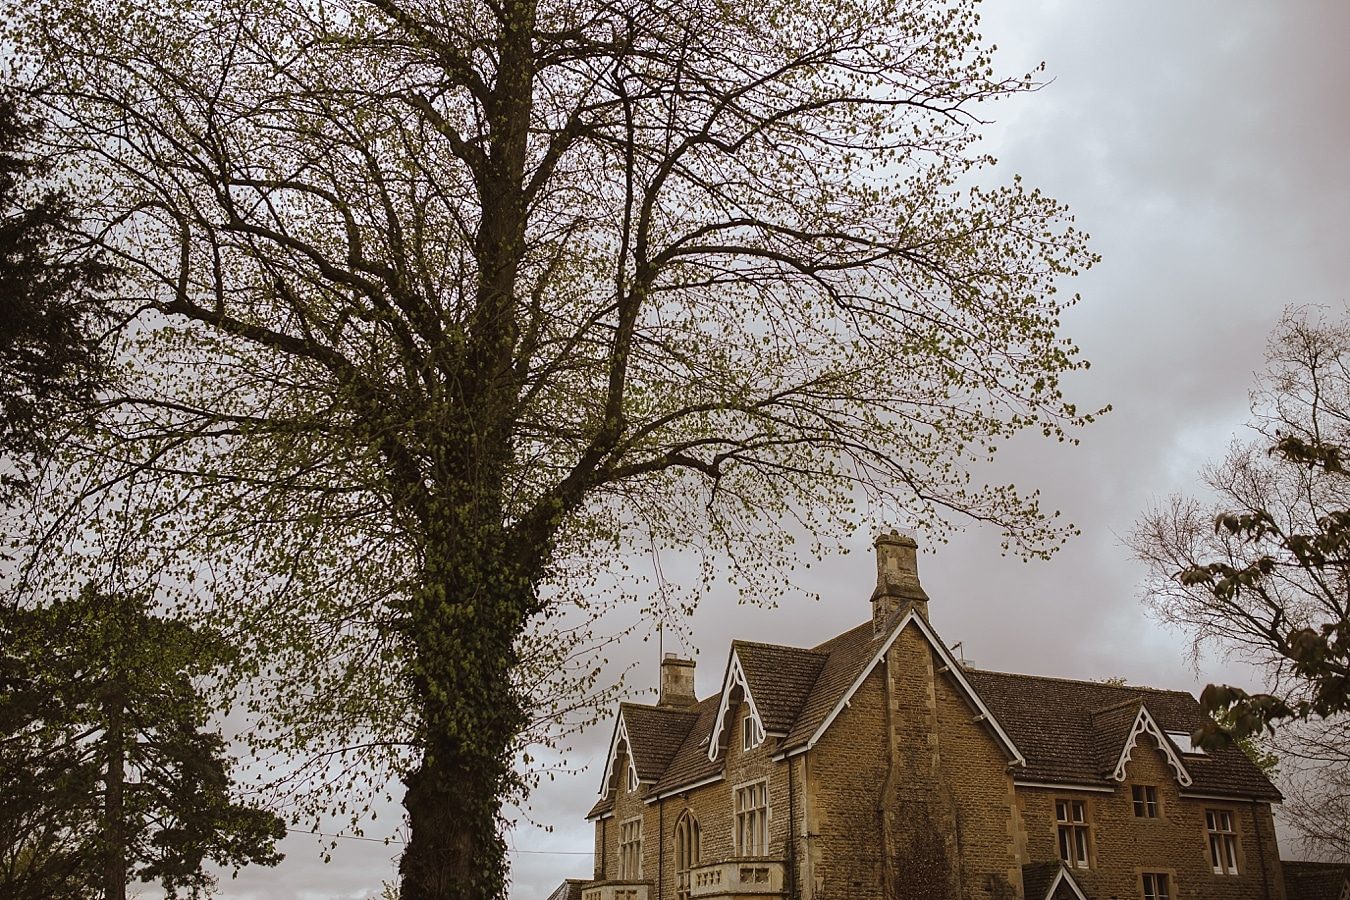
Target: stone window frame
[737,815]
[1075,828]
[1148,881]
[1146,796]
[688,841]
[630,842]
[1230,861]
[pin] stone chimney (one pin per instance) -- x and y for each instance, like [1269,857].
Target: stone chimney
[897,578]
[677,682]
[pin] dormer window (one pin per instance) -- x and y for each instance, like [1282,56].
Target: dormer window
[632,779]
[751,737]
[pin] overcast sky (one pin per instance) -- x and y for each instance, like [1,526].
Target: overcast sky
[1203,145]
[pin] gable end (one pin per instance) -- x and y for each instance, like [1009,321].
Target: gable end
[1144,723]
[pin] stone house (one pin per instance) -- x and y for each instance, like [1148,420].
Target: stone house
[877,766]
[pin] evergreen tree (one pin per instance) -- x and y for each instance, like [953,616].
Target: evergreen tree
[50,311]
[107,770]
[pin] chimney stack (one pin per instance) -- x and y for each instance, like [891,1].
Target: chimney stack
[677,682]
[897,578]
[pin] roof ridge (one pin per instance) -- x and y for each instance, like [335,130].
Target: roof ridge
[812,650]
[1100,684]
[652,707]
[1122,704]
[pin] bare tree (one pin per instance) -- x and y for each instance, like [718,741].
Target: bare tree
[441,301]
[1261,567]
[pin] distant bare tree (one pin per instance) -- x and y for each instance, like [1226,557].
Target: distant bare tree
[1262,567]
[440,302]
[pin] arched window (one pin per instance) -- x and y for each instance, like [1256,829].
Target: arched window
[686,852]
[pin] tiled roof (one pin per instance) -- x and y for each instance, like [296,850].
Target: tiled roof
[1112,727]
[779,678]
[1316,881]
[691,763]
[1052,722]
[655,733]
[602,806]
[568,890]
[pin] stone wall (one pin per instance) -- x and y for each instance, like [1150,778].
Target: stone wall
[1176,842]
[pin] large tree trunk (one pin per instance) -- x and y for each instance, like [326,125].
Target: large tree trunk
[479,588]
[114,813]
[464,630]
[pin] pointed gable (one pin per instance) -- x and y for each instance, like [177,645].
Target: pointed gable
[774,680]
[1144,723]
[648,737]
[852,657]
[779,678]
[654,734]
[1050,881]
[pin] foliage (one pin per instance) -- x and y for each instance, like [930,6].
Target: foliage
[442,310]
[49,361]
[108,772]
[1258,746]
[1265,569]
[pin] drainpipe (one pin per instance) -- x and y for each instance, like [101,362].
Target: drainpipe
[792,834]
[887,888]
[660,846]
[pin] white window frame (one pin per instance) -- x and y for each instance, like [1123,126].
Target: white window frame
[1223,841]
[630,849]
[1155,885]
[751,736]
[1073,833]
[750,813]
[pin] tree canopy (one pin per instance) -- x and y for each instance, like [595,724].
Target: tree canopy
[439,307]
[109,773]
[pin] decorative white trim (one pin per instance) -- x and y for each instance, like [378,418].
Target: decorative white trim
[676,791]
[620,734]
[1064,877]
[735,677]
[1144,722]
[604,815]
[950,661]
[1097,789]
